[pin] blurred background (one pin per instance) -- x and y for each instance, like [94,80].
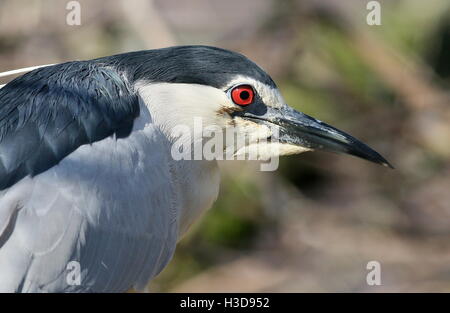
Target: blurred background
[315,223]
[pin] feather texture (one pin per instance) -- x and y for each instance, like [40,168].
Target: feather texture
[50,112]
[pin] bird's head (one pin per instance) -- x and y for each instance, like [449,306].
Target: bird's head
[226,90]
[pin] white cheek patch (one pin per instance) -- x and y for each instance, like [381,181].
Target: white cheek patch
[172,104]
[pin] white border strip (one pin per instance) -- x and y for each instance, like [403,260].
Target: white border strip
[21,70]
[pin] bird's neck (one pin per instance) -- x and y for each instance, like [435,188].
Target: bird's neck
[196,184]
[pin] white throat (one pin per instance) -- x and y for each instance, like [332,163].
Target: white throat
[196,183]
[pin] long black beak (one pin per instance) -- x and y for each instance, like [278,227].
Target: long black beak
[300,129]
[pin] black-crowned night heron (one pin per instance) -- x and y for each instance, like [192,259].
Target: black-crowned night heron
[87,173]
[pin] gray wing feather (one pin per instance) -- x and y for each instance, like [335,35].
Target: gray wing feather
[121,231]
[48,113]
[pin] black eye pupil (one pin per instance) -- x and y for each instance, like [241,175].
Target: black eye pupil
[245,95]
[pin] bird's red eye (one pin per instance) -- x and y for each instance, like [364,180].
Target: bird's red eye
[242,95]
